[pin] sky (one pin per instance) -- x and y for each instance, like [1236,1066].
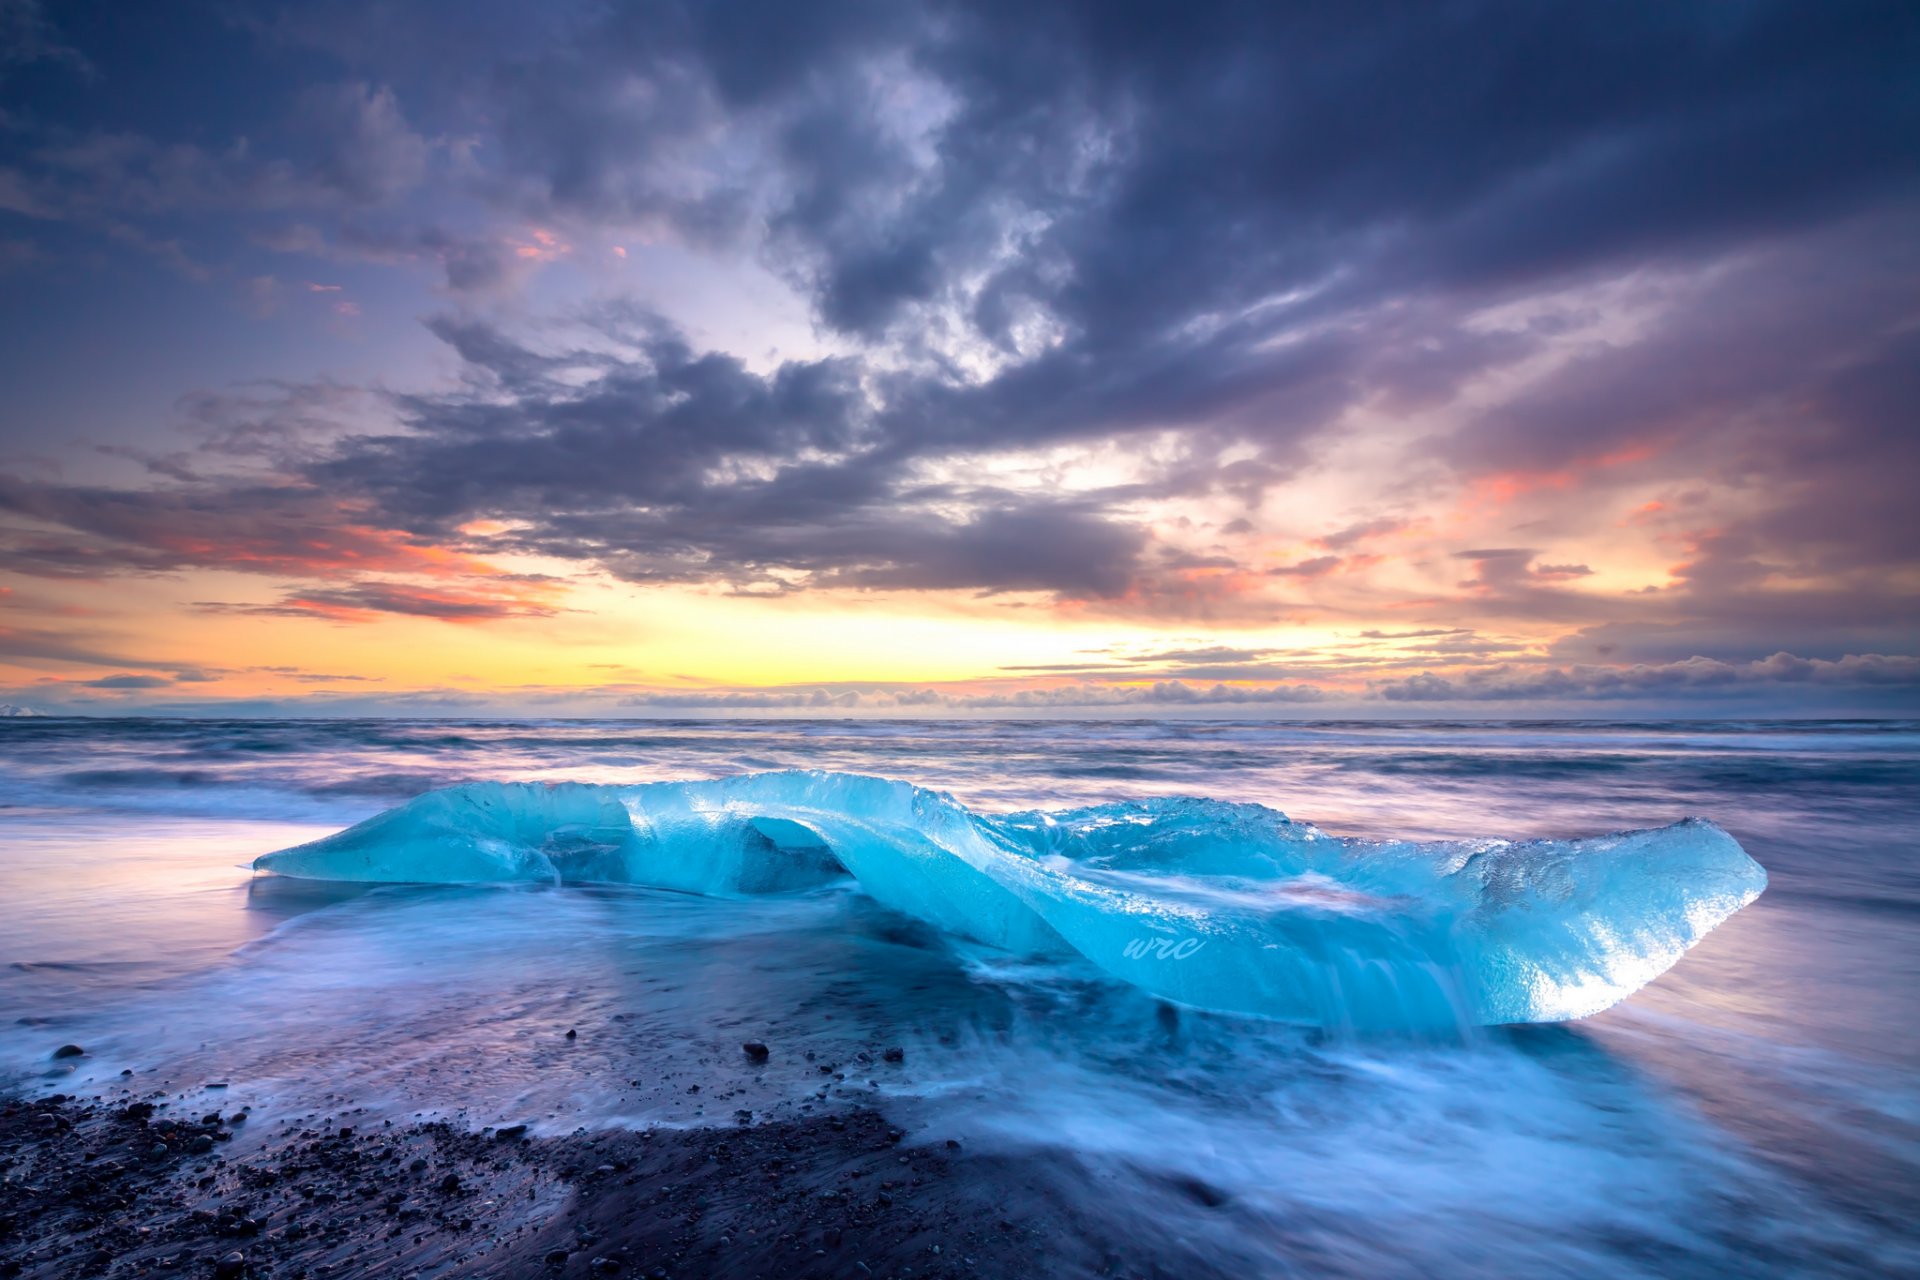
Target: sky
[903,358]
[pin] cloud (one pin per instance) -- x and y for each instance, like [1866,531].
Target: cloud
[361,145]
[347,147]
[1690,676]
[1160,694]
[127,682]
[474,265]
[1354,534]
[671,465]
[667,464]
[510,597]
[1093,289]
[286,530]
[27,36]
[1313,568]
[1422,634]
[39,646]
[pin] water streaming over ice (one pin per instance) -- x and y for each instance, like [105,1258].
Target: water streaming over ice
[1228,907]
[1751,1112]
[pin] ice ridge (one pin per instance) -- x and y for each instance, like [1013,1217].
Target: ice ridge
[1221,906]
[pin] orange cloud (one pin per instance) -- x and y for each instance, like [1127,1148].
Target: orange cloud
[324,551]
[541,245]
[368,600]
[1503,487]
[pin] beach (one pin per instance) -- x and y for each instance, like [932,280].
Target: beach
[339,1074]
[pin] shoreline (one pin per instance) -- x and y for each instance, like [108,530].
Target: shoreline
[165,1185]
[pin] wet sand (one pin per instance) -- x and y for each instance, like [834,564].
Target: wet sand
[162,1185]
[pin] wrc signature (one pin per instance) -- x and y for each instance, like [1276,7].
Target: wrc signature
[1162,948]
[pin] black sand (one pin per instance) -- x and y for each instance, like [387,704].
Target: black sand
[167,1186]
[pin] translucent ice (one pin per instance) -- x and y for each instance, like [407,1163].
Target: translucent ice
[1231,907]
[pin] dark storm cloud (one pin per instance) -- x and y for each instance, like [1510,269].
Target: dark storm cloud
[647,428]
[1194,167]
[1057,224]
[1025,546]
[666,464]
[1164,170]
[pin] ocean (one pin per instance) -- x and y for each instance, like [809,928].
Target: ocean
[1756,1110]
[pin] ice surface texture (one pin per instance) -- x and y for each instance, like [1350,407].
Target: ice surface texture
[1229,907]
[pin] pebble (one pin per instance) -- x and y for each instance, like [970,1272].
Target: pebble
[68,1051]
[572,1034]
[755,1050]
[895,1054]
[857,1203]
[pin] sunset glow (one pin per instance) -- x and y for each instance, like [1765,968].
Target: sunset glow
[359,388]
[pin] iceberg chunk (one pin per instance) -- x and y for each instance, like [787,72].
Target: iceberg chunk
[1229,907]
